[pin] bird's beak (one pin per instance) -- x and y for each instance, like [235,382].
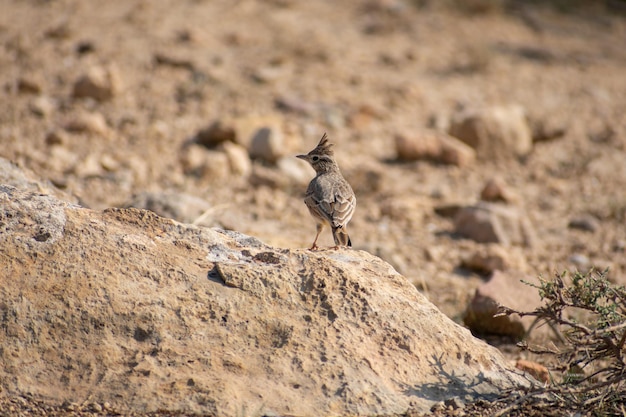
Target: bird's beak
[301,157]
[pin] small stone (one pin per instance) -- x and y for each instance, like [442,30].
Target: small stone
[174,61]
[542,131]
[535,369]
[42,106]
[31,85]
[493,223]
[267,145]
[495,190]
[494,132]
[488,259]
[95,407]
[268,74]
[98,83]
[56,137]
[238,158]
[294,104]
[87,122]
[202,163]
[586,223]
[109,163]
[89,166]
[579,260]
[218,132]
[433,146]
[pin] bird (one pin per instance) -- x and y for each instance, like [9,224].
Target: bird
[329,197]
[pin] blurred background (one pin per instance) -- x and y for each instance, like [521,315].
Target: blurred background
[479,136]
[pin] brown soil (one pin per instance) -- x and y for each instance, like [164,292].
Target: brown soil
[360,71]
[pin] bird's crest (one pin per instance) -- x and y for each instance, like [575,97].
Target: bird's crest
[323,148]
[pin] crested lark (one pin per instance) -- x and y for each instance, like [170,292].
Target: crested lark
[329,197]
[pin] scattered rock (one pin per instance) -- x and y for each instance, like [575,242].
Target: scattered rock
[538,371]
[294,104]
[203,163]
[580,260]
[182,207]
[495,190]
[218,132]
[433,146]
[98,83]
[87,122]
[587,223]
[494,223]
[167,59]
[56,137]
[238,158]
[494,132]
[503,288]
[89,166]
[300,324]
[85,47]
[543,131]
[490,258]
[42,106]
[269,74]
[448,210]
[267,145]
[29,84]
[60,30]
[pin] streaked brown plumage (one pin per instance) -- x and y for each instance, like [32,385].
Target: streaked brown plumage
[329,197]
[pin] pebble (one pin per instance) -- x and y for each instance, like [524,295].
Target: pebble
[216,133]
[496,190]
[586,223]
[42,106]
[240,163]
[56,137]
[579,259]
[433,146]
[267,145]
[29,84]
[98,83]
[87,122]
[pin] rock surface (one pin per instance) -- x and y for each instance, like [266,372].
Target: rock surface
[114,306]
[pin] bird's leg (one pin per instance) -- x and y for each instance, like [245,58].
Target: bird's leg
[320,227]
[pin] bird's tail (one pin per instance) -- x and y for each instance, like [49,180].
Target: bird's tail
[340,234]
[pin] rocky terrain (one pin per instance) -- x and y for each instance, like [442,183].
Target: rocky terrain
[485,142]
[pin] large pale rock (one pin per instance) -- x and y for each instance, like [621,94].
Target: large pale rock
[127,308]
[494,132]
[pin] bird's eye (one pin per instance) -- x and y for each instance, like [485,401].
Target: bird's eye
[315,158]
